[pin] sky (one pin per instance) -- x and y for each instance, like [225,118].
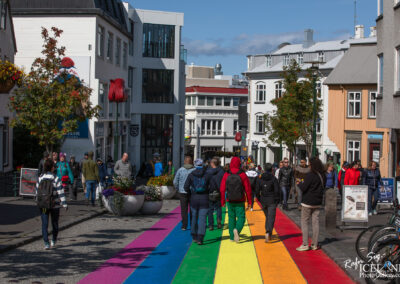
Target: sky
[226,31]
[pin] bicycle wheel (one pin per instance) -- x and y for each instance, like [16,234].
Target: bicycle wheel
[363,240]
[382,231]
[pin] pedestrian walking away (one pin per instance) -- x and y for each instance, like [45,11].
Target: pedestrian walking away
[216,174]
[91,174]
[49,197]
[85,158]
[252,174]
[372,178]
[236,185]
[197,186]
[285,180]
[41,163]
[76,172]
[312,188]
[300,173]
[64,172]
[179,184]
[123,167]
[267,192]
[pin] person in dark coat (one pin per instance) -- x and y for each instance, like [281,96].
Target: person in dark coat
[372,178]
[313,192]
[268,193]
[197,186]
[76,172]
[216,174]
[285,180]
[102,171]
[41,163]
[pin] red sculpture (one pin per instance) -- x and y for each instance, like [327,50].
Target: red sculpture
[238,136]
[116,92]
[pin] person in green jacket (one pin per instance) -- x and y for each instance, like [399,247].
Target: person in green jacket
[169,169]
[90,172]
[64,172]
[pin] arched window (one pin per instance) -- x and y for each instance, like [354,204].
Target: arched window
[260,92]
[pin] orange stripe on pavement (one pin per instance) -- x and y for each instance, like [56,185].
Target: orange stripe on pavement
[276,264]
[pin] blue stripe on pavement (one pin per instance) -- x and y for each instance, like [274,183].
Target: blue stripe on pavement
[163,263]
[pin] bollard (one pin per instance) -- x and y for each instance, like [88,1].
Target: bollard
[330,208]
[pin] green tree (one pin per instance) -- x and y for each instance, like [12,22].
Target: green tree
[291,121]
[50,102]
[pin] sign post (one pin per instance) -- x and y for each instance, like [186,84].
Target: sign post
[28,180]
[355,205]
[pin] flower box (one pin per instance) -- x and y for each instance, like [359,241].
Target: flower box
[131,204]
[151,207]
[168,192]
[6,86]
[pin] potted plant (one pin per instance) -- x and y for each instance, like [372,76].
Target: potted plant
[10,75]
[166,183]
[121,198]
[153,199]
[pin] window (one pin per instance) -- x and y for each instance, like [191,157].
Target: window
[227,102]
[130,77]
[6,139]
[125,55]
[193,100]
[235,126]
[235,102]
[286,60]
[158,86]
[398,69]
[190,127]
[260,123]
[102,99]
[110,43]
[300,58]
[132,30]
[260,92]
[372,105]
[128,106]
[202,101]
[210,101]
[318,126]
[318,87]
[269,61]
[158,41]
[3,15]
[211,127]
[188,101]
[354,104]
[321,56]
[118,52]
[100,41]
[278,90]
[380,74]
[100,148]
[218,101]
[353,150]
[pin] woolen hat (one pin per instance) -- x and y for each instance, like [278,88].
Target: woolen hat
[198,162]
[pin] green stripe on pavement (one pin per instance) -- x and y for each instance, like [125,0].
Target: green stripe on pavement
[200,262]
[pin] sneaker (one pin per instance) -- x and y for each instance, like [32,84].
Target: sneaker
[183,229]
[52,244]
[46,246]
[303,248]
[370,214]
[374,212]
[211,228]
[236,235]
[314,247]
[267,238]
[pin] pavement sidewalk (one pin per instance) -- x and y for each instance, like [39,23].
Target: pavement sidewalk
[20,220]
[337,244]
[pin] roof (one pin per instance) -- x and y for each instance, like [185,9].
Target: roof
[112,10]
[215,90]
[358,66]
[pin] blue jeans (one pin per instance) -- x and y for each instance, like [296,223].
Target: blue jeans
[285,191]
[55,215]
[376,194]
[91,190]
[217,207]
[199,223]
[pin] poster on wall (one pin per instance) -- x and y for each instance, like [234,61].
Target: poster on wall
[28,181]
[375,156]
[386,190]
[355,203]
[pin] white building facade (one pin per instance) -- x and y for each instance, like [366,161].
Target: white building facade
[264,73]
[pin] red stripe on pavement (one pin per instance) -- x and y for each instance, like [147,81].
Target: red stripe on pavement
[315,266]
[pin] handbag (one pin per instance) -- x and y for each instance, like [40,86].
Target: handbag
[99,189]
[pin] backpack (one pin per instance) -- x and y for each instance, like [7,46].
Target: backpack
[199,184]
[44,196]
[266,187]
[234,187]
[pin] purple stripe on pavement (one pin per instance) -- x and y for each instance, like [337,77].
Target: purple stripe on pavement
[118,268]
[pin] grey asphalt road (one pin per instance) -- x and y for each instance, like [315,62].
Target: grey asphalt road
[80,249]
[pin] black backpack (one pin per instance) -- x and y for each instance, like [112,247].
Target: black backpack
[266,187]
[234,187]
[44,197]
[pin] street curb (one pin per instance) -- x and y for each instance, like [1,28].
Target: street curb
[331,253]
[36,237]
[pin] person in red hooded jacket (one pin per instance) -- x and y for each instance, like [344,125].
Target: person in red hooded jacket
[352,176]
[235,188]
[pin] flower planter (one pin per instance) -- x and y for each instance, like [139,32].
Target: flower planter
[131,205]
[168,192]
[151,207]
[6,86]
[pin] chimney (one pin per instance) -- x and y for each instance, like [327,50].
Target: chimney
[372,32]
[359,32]
[308,38]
